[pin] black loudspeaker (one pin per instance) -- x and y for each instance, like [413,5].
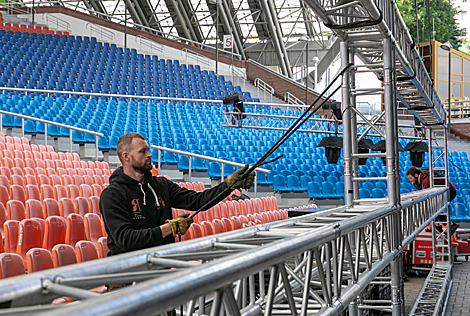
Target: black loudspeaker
[381,146]
[363,147]
[335,106]
[417,150]
[333,147]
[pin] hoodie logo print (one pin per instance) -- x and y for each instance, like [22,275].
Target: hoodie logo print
[135,205]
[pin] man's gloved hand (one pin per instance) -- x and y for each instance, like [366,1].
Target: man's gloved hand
[180,225]
[234,179]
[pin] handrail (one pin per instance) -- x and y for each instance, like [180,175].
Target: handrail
[151,44]
[260,84]
[57,21]
[102,31]
[194,55]
[222,161]
[236,72]
[78,129]
[292,99]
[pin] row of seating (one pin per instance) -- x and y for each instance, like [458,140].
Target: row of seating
[13,27]
[38,259]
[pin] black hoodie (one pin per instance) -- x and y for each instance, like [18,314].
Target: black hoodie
[133,211]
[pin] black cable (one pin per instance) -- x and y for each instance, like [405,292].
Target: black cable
[292,129]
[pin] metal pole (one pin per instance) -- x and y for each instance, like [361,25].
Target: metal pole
[32,14]
[353,131]
[217,38]
[347,137]
[306,72]
[449,89]
[125,23]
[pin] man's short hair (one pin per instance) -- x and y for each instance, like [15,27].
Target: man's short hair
[413,170]
[125,143]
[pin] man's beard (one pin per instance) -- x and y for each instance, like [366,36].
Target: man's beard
[143,168]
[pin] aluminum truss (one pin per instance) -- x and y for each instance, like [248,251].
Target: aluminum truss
[312,125]
[317,264]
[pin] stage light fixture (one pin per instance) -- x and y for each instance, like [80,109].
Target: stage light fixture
[333,147]
[417,150]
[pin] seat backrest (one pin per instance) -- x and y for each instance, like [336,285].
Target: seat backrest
[102,247]
[207,228]
[75,229]
[85,191]
[50,207]
[43,179]
[11,265]
[227,223]
[218,226]
[85,251]
[10,229]
[94,205]
[15,210]
[47,192]
[17,193]
[55,180]
[29,236]
[196,231]
[97,189]
[4,195]
[32,192]
[3,217]
[60,191]
[34,209]
[93,227]
[81,205]
[73,191]
[63,255]
[54,232]
[17,179]
[38,259]
[236,222]
[66,207]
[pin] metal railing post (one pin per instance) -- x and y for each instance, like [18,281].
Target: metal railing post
[190,162]
[70,140]
[22,127]
[45,134]
[222,173]
[159,165]
[96,147]
[256,184]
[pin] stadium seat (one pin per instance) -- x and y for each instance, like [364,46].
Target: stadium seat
[50,207]
[54,232]
[236,222]
[81,205]
[11,265]
[34,209]
[17,193]
[73,191]
[66,207]
[32,192]
[29,237]
[196,231]
[85,251]
[47,192]
[314,191]
[94,205]
[60,192]
[15,210]
[459,212]
[10,228]
[38,259]
[75,229]
[218,226]
[103,247]
[207,228]
[86,191]
[93,227]
[63,255]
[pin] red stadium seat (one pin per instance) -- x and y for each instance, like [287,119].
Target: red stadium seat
[85,251]
[8,162]
[17,171]
[19,163]
[63,255]
[10,229]
[77,180]
[4,195]
[50,207]
[32,192]
[54,232]
[207,228]
[11,265]
[41,172]
[93,227]
[98,180]
[236,222]
[218,226]
[60,191]
[230,209]
[42,223]
[30,180]
[243,207]
[29,235]
[15,210]
[71,171]
[251,218]
[17,193]
[5,171]
[217,212]
[3,218]
[75,229]
[73,191]
[86,191]
[66,180]
[196,231]
[249,206]
[61,172]
[227,223]
[43,179]
[244,219]
[51,172]
[66,207]
[259,218]
[4,181]
[97,189]
[17,180]
[38,259]
[34,209]
[55,180]
[94,205]
[103,247]
[30,171]
[81,205]
[88,180]
[47,192]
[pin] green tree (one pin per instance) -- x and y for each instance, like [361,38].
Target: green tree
[443,13]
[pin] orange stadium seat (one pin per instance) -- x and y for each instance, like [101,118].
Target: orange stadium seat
[98,172]
[59,164]
[236,207]
[97,189]
[77,180]
[37,155]
[236,222]
[43,179]
[19,163]
[15,210]
[93,227]
[227,224]
[98,179]
[230,208]
[34,209]
[85,251]
[3,218]
[87,180]
[51,172]
[86,191]
[54,232]
[61,172]
[251,218]
[4,195]
[244,219]
[218,226]
[94,205]
[50,207]
[17,171]
[55,180]
[11,265]
[207,228]
[40,163]
[81,205]
[60,191]
[17,193]
[89,172]
[10,229]
[63,255]
[38,259]
[5,171]
[75,229]
[8,162]
[29,236]
[17,180]
[47,192]
[66,180]
[68,165]
[69,157]
[73,191]
[196,231]
[102,247]
[217,212]
[42,223]
[18,153]
[32,192]
[30,180]
[66,207]
[30,171]
[243,207]
[41,172]
[4,181]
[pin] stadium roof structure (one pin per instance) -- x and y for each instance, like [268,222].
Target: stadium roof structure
[263,30]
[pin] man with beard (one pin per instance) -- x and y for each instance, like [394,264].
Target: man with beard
[136,206]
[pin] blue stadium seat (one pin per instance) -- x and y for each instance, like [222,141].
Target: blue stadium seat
[364,194]
[279,184]
[459,212]
[314,191]
[328,190]
[293,184]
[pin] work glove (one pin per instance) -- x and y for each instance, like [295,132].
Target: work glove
[237,183]
[180,225]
